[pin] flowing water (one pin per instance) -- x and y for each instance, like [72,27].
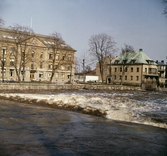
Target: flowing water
[31,125]
[148,108]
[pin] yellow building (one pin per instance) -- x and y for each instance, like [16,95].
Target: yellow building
[35,57]
[133,68]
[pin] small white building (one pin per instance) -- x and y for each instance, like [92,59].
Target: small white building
[87,77]
[91,78]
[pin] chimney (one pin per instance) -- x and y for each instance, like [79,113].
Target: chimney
[140,49]
[162,61]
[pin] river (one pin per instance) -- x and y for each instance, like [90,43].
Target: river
[32,126]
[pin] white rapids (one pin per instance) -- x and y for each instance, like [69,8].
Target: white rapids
[116,106]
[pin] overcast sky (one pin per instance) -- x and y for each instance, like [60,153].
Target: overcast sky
[139,23]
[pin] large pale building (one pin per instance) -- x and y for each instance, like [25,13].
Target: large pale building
[35,57]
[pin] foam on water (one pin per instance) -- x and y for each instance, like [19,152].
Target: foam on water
[114,105]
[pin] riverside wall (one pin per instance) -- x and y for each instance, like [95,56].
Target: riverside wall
[52,87]
[40,87]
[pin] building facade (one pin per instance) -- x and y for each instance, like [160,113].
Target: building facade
[106,69]
[35,57]
[133,68]
[162,71]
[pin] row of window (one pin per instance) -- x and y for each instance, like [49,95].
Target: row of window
[57,57]
[33,54]
[126,78]
[126,69]
[40,65]
[150,70]
[11,72]
[50,66]
[57,75]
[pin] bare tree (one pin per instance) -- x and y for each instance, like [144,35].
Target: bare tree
[165,9]
[87,69]
[101,46]
[77,65]
[128,48]
[126,53]
[58,60]
[2,23]
[2,58]
[20,52]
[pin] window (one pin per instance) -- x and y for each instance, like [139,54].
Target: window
[131,77]
[62,75]
[137,78]
[3,50]
[11,62]
[69,67]
[50,56]
[145,70]
[32,65]
[133,61]
[120,78]
[116,61]
[41,65]
[63,57]
[115,77]
[115,69]
[125,69]
[41,55]
[131,69]
[137,69]
[12,49]
[11,72]
[32,54]
[125,77]
[57,56]
[40,75]
[120,69]
[69,57]
[152,70]
[50,66]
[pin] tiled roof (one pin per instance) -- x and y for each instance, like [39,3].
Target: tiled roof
[129,57]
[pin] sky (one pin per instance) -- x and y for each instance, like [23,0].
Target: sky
[139,23]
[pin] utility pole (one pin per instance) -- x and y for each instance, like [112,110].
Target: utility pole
[83,64]
[83,70]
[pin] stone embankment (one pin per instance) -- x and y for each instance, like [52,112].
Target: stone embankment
[40,86]
[31,86]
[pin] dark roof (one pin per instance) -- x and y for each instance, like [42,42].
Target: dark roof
[162,63]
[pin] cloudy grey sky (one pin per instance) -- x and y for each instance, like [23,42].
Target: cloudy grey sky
[139,23]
